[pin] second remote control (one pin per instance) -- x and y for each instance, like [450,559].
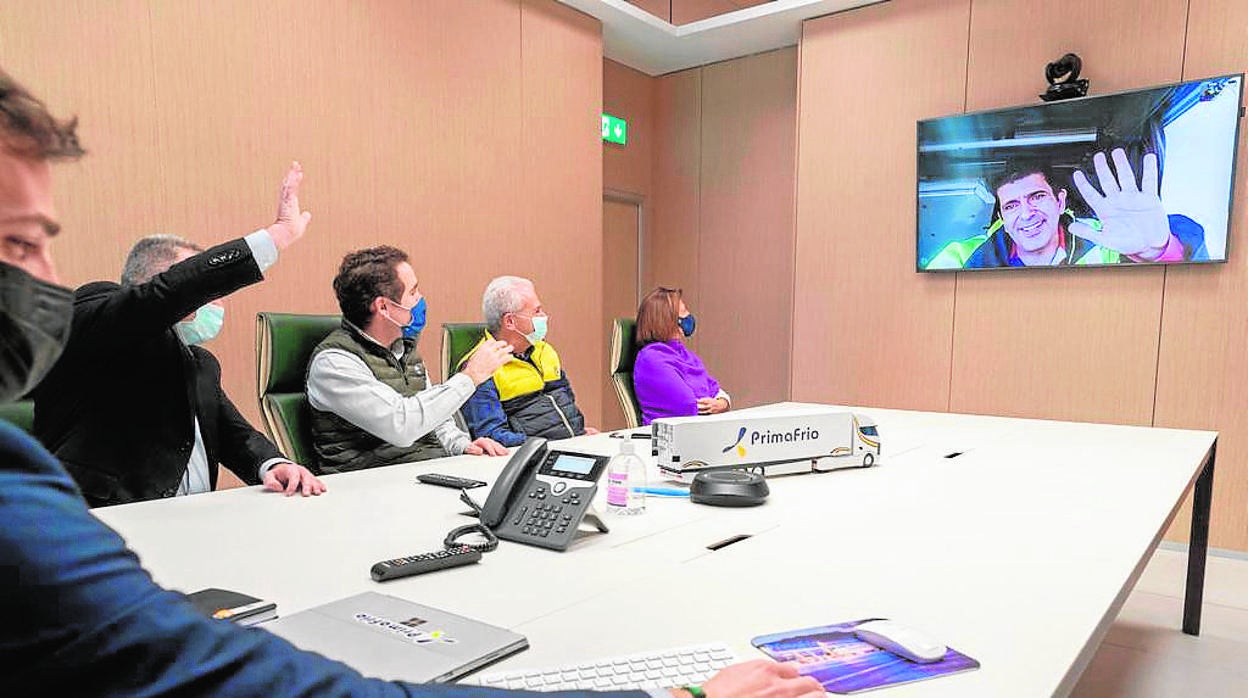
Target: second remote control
[425,562]
[459,483]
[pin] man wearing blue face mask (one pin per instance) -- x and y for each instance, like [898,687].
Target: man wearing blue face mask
[133,373]
[529,395]
[371,398]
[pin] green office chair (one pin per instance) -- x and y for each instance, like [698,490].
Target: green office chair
[284,344]
[458,338]
[20,414]
[620,366]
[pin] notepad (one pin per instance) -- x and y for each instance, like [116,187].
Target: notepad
[223,604]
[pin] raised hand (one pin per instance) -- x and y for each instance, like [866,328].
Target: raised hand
[1133,220]
[291,222]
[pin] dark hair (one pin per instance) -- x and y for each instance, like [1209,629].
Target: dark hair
[656,316]
[365,275]
[1014,171]
[152,255]
[27,129]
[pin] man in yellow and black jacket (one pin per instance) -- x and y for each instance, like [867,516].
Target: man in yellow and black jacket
[530,395]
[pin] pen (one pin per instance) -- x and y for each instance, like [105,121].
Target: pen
[663,491]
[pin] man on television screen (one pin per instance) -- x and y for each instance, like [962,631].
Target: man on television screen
[1032,225]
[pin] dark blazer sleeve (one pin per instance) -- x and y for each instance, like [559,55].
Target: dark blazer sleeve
[113,316]
[229,438]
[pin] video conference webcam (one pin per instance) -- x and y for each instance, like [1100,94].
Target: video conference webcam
[1063,77]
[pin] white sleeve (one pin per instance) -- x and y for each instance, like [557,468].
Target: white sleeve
[452,438]
[724,394]
[341,383]
[263,249]
[268,465]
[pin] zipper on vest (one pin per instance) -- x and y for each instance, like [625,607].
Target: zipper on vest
[562,416]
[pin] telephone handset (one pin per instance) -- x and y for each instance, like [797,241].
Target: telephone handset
[543,494]
[505,486]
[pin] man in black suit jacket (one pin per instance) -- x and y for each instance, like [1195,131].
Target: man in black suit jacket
[134,409]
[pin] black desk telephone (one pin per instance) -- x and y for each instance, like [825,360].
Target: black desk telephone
[542,496]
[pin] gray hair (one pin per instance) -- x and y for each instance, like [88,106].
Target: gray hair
[152,255]
[502,296]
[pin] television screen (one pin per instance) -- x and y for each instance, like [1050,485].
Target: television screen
[1140,177]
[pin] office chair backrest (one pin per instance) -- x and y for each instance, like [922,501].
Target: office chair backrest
[284,344]
[620,367]
[458,338]
[20,414]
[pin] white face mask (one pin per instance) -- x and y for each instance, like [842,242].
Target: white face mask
[539,329]
[203,327]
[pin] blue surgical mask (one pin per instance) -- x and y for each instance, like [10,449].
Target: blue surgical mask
[418,319]
[687,324]
[204,326]
[539,329]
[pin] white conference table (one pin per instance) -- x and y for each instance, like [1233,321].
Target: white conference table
[1019,552]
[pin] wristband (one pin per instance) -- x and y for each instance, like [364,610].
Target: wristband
[695,691]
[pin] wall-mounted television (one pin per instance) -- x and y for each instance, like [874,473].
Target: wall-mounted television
[1139,177]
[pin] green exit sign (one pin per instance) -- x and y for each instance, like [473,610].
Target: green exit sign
[614,129]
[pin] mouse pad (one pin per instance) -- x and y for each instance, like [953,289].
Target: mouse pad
[844,664]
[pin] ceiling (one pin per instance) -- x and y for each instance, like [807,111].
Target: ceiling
[640,40]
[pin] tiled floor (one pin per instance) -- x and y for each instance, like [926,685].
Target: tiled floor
[1145,655]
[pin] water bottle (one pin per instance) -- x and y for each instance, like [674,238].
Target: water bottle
[626,476]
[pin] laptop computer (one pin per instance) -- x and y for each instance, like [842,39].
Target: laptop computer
[389,638]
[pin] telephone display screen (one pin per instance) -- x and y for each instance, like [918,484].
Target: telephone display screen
[579,465]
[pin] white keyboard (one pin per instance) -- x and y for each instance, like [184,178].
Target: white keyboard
[668,668]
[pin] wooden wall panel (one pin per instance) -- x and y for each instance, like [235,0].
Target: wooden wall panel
[866,328]
[228,127]
[97,65]
[1204,328]
[621,257]
[670,255]
[686,11]
[629,94]
[627,170]
[659,8]
[562,183]
[1015,347]
[749,122]
[451,151]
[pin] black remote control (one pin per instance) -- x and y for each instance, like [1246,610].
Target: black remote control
[459,483]
[425,562]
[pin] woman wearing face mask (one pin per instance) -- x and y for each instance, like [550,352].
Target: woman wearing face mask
[670,380]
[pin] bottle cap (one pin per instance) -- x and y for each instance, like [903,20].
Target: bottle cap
[626,446]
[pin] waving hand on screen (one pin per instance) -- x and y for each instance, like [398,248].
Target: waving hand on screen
[1133,219]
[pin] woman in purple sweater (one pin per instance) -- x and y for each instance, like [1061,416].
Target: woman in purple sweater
[669,379]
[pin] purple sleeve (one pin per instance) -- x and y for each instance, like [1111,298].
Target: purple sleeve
[661,390]
[714,385]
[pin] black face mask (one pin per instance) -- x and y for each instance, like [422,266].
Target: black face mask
[34,326]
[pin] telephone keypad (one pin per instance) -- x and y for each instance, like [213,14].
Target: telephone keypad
[543,518]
